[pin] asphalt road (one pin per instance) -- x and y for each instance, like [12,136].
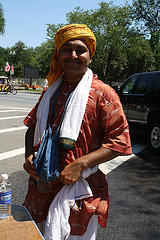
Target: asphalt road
[134,185]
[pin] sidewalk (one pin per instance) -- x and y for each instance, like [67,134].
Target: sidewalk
[30,91]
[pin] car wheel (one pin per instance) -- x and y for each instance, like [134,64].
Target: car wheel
[154,136]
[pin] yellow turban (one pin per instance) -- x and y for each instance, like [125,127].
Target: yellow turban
[71,31]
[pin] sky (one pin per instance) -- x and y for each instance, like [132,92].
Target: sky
[26,20]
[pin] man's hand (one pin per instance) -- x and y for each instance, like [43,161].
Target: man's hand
[29,167]
[71,173]
[29,153]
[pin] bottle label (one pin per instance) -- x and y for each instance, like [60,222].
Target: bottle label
[5,197]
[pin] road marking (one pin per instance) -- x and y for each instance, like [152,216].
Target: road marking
[12,107]
[107,167]
[13,117]
[12,129]
[104,167]
[13,110]
[12,153]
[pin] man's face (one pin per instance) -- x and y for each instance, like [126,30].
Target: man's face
[74,58]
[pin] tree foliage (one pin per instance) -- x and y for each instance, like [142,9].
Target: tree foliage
[43,57]
[2,20]
[122,47]
[146,14]
[112,26]
[23,57]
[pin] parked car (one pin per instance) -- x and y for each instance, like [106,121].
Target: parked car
[140,97]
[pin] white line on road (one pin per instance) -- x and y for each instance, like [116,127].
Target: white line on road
[12,153]
[104,167]
[12,107]
[12,129]
[13,117]
[13,110]
[109,166]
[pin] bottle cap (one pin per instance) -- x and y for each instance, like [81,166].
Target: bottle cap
[4,177]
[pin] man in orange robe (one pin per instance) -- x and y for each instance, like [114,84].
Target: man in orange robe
[103,134]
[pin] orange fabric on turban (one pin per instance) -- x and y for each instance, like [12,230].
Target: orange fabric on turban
[71,31]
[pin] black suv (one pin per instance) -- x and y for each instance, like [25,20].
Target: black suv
[140,97]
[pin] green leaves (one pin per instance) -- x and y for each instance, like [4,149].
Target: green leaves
[2,21]
[146,13]
[127,40]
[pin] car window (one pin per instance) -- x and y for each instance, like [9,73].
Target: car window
[128,85]
[157,84]
[144,83]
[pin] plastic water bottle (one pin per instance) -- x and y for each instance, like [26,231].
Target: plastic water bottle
[5,197]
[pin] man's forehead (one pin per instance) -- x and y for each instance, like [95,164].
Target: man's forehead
[75,41]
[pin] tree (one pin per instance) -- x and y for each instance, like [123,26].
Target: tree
[4,53]
[112,27]
[122,47]
[23,57]
[2,21]
[140,57]
[115,37]
[146,13]
[51,32]
[43,57]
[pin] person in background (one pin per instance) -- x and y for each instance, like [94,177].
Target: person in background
[45,84]
[102,132]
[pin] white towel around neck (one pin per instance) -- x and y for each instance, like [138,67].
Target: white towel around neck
[74,113]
